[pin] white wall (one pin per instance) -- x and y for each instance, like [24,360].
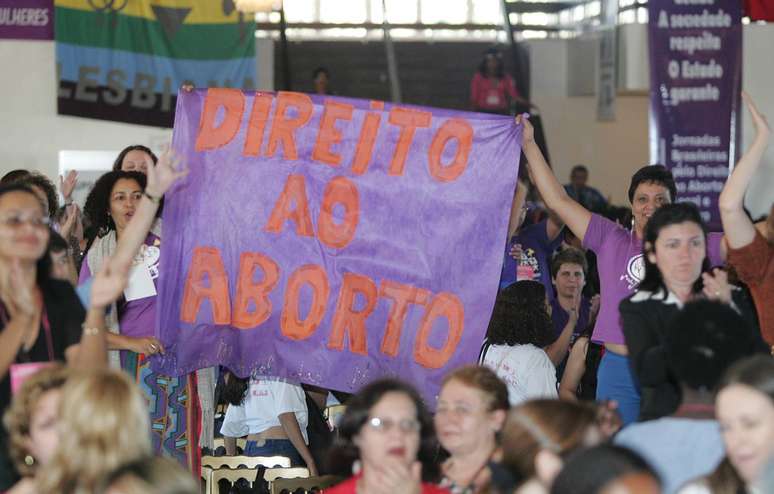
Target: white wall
[32,134]
[614,150]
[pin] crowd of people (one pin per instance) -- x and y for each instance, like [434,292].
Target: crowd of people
[625,353]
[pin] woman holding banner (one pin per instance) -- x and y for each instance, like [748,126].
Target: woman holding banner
[117,198]
[620,260]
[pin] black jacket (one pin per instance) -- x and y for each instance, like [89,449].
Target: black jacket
[646,317]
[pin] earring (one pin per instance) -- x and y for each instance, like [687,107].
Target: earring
[29,460]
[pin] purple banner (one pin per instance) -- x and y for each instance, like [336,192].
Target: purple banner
[26,19]
[332,241]
[695,86]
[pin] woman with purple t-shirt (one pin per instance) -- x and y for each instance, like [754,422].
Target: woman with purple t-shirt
[619,259]
[173,401]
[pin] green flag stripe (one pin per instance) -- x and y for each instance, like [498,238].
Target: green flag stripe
[191,41]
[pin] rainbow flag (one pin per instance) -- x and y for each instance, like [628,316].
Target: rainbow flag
[124,60]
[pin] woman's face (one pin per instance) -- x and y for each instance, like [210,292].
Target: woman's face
[23,227]
[136,161]
[570,279]
[124,197]
[61,263]
[679,253]
[463,421]
[392,429]
[648,197]
[746,419]
[43,438]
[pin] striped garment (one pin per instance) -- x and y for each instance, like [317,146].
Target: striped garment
[124,60]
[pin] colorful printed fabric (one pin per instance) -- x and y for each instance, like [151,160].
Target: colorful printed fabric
[173,404]
[125,60]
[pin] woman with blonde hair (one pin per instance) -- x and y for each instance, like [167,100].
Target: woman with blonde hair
[469,416]
[152,475]
[103,424]
[31,422]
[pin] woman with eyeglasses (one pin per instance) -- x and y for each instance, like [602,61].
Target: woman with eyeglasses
[41,318]
[386,443]
[469,417]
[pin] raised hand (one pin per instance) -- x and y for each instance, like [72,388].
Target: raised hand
[716,286]
[20,299]
[515,252]
[528,134]
[393,475]
[71,218]
[574,312]
[762,129]
[67,184]
[108,284]
[165,173]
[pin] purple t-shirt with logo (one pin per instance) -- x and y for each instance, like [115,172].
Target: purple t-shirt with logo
[137,318]
[621,269]
[536,252]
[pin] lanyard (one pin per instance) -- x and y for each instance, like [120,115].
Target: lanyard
[49,338]
[46,329]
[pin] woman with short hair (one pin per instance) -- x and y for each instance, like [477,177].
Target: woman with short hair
[469,417]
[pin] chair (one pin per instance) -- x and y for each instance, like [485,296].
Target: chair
[272,474]
[235,462]
[219,442]
[232,476]
[309,485]
[211,464]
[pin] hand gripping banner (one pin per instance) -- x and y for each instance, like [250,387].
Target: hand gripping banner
[332,241]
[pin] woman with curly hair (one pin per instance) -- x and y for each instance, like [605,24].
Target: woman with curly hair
[31,423]
[117,198]
[518,332]
[387,440]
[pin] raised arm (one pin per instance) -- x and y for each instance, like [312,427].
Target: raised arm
[575,216]
[739,230]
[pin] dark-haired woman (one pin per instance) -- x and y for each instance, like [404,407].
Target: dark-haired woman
[272,413]
[619,260]
[519,330]
[41,318]
[492,90]
[676,271]
[117,198]
[386,439]
[135,158]
[744,406]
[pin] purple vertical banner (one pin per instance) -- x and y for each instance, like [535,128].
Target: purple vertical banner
[695,84]
[26,19]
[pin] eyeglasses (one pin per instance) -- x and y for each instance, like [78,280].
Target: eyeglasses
[17,220]
[406,426]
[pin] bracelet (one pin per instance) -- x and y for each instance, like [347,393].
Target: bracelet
[154,200]
[87,331]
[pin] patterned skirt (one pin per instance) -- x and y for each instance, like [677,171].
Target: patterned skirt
[175,413]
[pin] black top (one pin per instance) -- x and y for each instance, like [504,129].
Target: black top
[646,317]
[65,315]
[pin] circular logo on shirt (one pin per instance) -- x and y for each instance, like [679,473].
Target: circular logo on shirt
[636,268]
